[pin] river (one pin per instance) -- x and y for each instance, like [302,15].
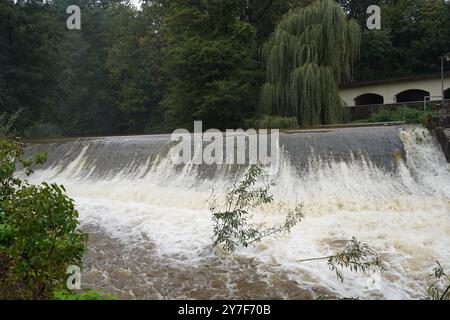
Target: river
[150,228]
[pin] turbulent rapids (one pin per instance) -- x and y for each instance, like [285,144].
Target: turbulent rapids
[150,228]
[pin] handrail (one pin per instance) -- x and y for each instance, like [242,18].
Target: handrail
[391,104]
[441,98]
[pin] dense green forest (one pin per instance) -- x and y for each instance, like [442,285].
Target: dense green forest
[170,62]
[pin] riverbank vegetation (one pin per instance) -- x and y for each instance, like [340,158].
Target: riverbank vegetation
[39,237]
[170,62]
[39,234]
[402,114]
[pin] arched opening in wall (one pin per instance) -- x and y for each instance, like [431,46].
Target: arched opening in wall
[447,94]
[413,95]
[369,99]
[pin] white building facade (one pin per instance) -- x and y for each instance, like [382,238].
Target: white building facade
[413,89]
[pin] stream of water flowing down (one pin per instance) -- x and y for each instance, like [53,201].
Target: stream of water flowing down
[150,227]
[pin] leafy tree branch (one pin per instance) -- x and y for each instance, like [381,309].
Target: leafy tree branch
[232,226]
[440,288]
[356,257]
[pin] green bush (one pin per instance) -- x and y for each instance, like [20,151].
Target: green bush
[43,222]
[39,238]
[409,115]
[88,294]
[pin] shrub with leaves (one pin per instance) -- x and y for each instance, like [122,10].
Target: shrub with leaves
[232,224]
[88,294]
[407,114]
[7,124]
[440,287]
[39,238]
[45,240]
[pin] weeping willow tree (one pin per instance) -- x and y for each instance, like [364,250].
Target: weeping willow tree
[311,51]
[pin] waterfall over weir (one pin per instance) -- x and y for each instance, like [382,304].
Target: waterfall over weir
[150,228]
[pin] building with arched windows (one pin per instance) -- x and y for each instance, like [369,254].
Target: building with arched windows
[413,89]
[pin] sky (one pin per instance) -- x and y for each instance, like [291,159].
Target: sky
[136,3]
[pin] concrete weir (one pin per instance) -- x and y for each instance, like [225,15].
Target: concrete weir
[150,223]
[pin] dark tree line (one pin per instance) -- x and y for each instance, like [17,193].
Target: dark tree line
[414,34]
[172,62]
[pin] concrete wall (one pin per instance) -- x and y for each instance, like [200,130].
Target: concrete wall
[390,90]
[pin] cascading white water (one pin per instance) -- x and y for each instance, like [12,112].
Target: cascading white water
[151,230]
